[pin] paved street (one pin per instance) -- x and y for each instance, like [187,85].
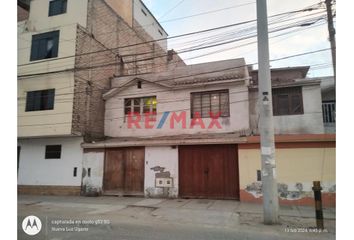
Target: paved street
[139,218]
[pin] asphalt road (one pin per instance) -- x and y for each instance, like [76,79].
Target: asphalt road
[136,230]
[103,218]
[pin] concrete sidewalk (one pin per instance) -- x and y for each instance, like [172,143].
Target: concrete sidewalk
[226,214]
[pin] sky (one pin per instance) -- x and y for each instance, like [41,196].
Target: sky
[292,40]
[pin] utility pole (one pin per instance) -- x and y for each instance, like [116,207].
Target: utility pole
[332,33]
[266,126]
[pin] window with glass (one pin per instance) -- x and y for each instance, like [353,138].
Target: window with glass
[142,105]
[57,7]
[40,100]
[211,103]
[287,101]
[44,45]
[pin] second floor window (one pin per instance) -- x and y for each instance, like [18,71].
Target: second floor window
[140,105]
[215,103]
[40,100]
[57,7]
[44,45]
[287,101]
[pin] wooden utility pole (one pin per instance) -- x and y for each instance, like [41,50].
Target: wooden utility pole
[266,125]
[332,33]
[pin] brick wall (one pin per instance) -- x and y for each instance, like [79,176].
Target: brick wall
[102,53]
[91,82]
[22,14]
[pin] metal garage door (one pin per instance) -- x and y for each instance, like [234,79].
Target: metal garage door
[208,171]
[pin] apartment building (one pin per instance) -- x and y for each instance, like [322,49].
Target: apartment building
[68,52]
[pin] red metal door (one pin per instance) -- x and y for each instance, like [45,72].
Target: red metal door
[208,171]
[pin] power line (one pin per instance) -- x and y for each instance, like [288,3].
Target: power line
[224,69]
[172,37]
[164,55]
[170,10]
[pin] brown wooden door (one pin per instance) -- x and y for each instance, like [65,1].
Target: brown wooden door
[124,170]
[209,171]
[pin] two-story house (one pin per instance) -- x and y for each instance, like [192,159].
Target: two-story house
[193,132]
[68,50]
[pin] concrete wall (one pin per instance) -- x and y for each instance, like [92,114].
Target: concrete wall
[175,101]
[149,23]
[56,122]
[309,122]
[297,168]
[39,19]
[167,158]
[66,48]
[40,22]
[123,8]
[22,14]
[34,169]
[53,122]
[95,161]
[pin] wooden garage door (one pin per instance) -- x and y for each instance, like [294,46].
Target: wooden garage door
[208,171]
[124,171]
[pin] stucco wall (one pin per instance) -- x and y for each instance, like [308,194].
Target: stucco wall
[296,169]
[95,162]
[53,122]
[123,8]
[167,158]
[175,101]
[76,12]
[40,22]
[34,169]
[66,48]
[309,122]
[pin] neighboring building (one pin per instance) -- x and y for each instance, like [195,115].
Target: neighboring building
[296,102]
[328,104]
[68,50]
[174,155]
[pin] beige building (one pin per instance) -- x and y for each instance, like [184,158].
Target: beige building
[68,50]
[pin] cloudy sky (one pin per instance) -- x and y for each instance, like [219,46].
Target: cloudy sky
[175,17]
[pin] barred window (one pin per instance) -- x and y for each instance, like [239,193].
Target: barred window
[287,101]
[211,102]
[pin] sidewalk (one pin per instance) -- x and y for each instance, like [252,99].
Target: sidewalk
[227,214]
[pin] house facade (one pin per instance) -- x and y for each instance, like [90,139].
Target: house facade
[193,132]
[68,50]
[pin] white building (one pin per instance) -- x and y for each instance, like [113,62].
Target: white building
[160,143]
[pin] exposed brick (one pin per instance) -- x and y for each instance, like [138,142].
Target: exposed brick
[107,35]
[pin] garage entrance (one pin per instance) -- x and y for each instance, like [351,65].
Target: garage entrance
[124,171]
[209,171]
